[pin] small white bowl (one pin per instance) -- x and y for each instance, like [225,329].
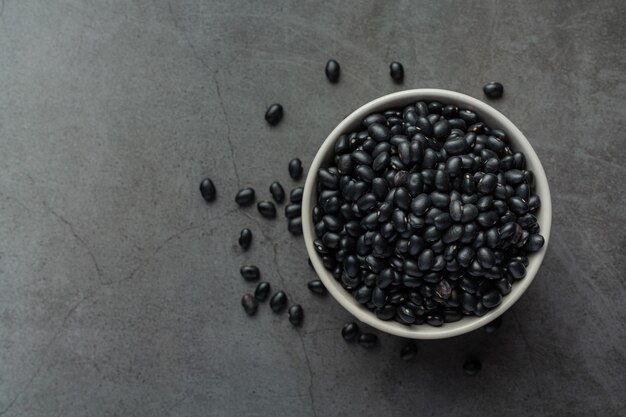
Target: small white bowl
[492,118]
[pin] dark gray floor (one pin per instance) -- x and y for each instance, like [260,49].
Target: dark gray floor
[119,287]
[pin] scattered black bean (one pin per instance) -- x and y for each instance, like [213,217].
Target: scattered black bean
[317,287]
[295,197]
[493,90]
[472,368]
[250,272]
[207,189]
[295,226]
[293,210]
[368,340]
[296,314]
[350,331]
[277,192]
[250,304]
[278,301]
[262,291]
[396,70]
[245,238]
[245,197]
[295,169]
[273,114]
[267,209]
[408,351]
[332,70]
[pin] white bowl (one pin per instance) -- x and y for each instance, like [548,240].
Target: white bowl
[492,118]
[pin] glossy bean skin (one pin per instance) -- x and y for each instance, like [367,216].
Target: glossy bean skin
[278,302]
[296,314]
[350,332]
[267,209]
[245,197]
[332,71]
[295,168]
[207,190]
[493,90]
[274,114]
[245,238]
[249,304]
[396,71]
[262,291]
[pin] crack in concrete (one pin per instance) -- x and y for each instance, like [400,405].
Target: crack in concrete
[226,119]
[311,375]
[77,237]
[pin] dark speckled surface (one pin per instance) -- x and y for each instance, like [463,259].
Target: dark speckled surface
[119,286]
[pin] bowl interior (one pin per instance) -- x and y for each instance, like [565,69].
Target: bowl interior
[492,118]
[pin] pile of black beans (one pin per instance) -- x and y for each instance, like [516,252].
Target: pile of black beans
[426,214]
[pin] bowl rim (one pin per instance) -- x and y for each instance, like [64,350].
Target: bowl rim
[496,119]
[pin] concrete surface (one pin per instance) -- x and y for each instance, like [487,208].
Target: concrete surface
[119,286]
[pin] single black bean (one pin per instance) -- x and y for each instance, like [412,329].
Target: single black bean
[295,197]
[332,70]
[294,226]
[250,272]
[365,173]
[486,257]
[402,198]
[470,212]
[396,70]
[405,314]
[491,299]
[487,183]
[426,260]
[262,290]
[441,129]
[273,114]
[278,301]
[518,205]
[534,243]
[245,197]
[470,118]
[267,209]
[534,203]
[350,331]
[378,132]
[295,168]
[493,90]
[471,368]
[245,238]
[250,304]
[517,270]
[296,314]
[293,210]
[363,294]
[207,190]
[487,218]
[465,256]
[368,340]
[494,325]
[442,181]
[277,191]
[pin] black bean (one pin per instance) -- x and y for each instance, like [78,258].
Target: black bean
[332,70]
[207,190]
[378,132]
[494,325]
[296,314]
[441,129]
[405,314]
[442,181]
[491,299]
[277,192]
[267,209]
[470,212]
[493,90]
[380,188]
[518,205]
[294,226]
[250,272]
[293,210]
[534,203]
[486,257]
[278,301]
[465,256]
[273,114]
[534,243]
[295,168]
[471,368]
[396,70]
[245,197]
[250,304]
[262,291]
[365,173]
[517,270]
[368,340]
[487,183]
[426,260]
[245,238]
[295,197]
[350,331]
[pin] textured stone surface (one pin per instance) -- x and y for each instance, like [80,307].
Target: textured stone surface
[119,287]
